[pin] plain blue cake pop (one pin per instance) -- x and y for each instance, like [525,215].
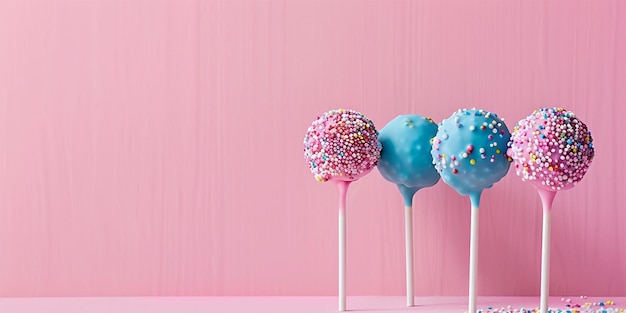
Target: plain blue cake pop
[405,159]
[469,151]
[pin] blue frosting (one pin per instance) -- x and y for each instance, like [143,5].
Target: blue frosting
[405,159]
[469,151]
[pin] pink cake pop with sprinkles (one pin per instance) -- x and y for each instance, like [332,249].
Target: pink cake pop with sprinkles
[552,149]
[341,146]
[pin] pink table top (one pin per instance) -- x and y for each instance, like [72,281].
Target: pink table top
[370,304]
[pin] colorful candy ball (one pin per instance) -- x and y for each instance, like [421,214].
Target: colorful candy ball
[341,145]
[552,149]
[405,158]
[469,150]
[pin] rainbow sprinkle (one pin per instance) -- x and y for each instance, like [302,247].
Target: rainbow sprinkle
[569,307]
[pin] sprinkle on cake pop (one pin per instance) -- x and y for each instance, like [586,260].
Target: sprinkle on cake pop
[341,144]
[405,159]
[469,150]
[552,149]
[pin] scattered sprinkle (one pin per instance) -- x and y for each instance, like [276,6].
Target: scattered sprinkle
[568,307]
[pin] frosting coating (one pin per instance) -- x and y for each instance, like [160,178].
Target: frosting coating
[341,145]
[405,159]
[469,151]
[552,149]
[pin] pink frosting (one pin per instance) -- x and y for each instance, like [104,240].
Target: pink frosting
[341,145]
[552,149]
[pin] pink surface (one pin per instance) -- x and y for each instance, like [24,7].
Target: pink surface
[274,304]
[155,147]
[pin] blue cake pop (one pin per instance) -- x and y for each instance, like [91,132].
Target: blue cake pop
[405,159]
[469,151]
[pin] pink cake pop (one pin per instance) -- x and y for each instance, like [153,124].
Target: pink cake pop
[341,146]
[552,149]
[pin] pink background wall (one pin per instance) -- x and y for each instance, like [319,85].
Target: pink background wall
[155,147]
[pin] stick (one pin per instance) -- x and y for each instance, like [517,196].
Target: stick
[342,187]
[408,233]
[473,272]
[547,197]
[407,196]
[473,262]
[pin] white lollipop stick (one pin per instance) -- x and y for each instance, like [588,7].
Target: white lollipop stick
[545,261]
[407,195]
[473,261]
[408,233]
[342,187]
[547,197]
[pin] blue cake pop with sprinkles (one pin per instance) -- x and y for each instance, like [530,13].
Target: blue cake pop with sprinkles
[470,151]
[405,159]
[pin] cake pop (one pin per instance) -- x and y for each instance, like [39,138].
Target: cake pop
[469,152]
[341,146]
[552,149]
[406,161]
